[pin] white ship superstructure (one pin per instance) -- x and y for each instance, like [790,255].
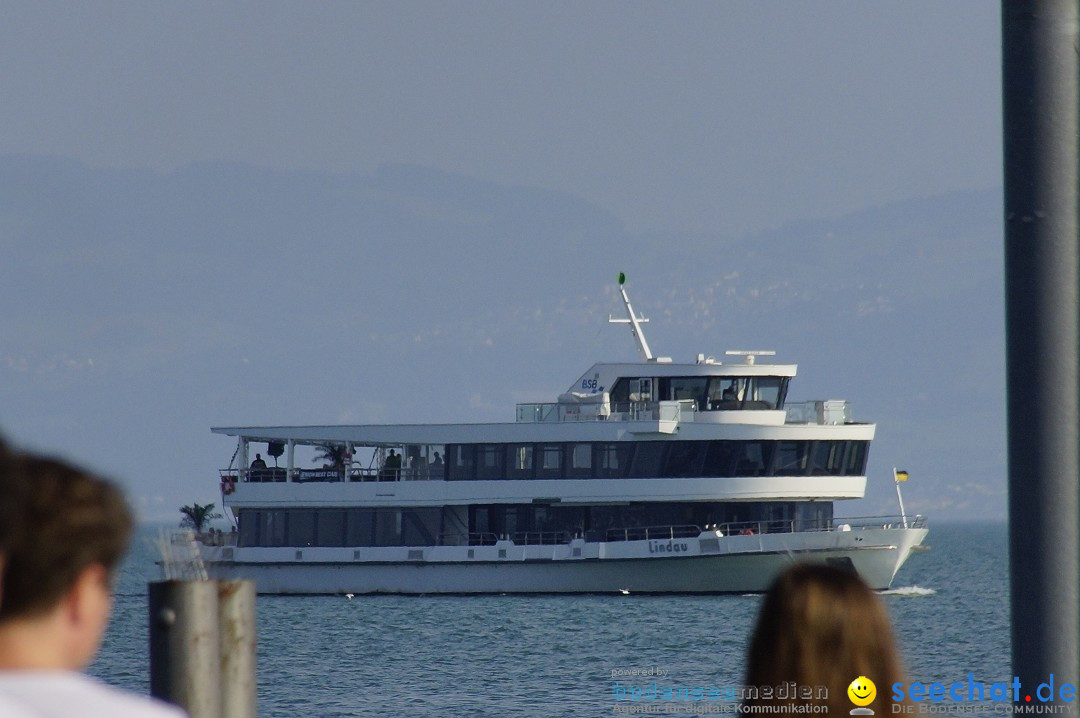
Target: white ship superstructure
[652,476]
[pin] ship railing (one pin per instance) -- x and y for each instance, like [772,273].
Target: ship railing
[216,538]
[482,538]
[555,412]
[542,538]
[750,528]
[819,412]
[878,522]
[520,538]
[643,533]
[299,475]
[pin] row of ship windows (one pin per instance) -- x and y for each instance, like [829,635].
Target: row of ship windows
[653,459]
[460,525]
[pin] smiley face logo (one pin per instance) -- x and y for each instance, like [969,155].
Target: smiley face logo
[862,691]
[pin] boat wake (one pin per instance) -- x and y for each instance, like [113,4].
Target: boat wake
[909,591]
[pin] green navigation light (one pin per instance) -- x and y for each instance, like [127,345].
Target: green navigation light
[622,278]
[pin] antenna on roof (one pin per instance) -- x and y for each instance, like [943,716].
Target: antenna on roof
[633,320]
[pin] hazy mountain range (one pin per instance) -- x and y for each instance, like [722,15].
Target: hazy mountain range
[143,308]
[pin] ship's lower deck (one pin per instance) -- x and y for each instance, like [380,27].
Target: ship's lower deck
[707,563]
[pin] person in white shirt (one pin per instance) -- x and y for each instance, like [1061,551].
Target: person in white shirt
[67,532]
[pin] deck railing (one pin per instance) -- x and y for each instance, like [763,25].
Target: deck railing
[555,412]
[280,474]
[818,412]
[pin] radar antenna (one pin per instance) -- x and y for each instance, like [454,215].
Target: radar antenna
[633,320]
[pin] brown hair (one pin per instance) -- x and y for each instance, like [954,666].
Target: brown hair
[67,520]
[10,500]
[822,626]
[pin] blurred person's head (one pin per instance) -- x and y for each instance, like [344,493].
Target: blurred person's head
[70,532]
[822,626]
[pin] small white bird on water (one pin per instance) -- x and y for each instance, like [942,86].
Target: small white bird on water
[349,596]
[624,592]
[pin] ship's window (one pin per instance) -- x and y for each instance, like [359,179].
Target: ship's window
[519,461]
[550,465]
[648,459]
[855,465]
[612,460]
[479,519]
[683,388]
[420,527]
[753,458]
[813,515]
[330,527]
[790,458]
[580,460]
[720,458]
[301,528]
[249,527]
[725,392]
[764,393]
[684,458]
[436,469]
[462,461]
[272,528]
[489,459]
[777,516]
[360,527]
[620,394]
[387,527]
[827,458]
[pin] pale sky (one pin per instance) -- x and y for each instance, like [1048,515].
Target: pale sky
[721,118]
[707,116]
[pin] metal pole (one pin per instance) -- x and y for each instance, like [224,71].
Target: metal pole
[1040,73]
[185,654]
[899,497]
[236,618]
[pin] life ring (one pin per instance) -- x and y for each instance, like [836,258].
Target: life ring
[228,486]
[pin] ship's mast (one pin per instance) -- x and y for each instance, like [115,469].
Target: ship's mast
[633,320]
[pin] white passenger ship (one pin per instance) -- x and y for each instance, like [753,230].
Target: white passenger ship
[653,477]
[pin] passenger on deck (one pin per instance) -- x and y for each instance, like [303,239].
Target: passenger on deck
[437,461]
[258,463]
[392,467]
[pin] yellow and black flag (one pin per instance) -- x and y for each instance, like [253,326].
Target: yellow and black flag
[900,474]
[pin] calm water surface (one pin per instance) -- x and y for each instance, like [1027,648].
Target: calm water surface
[553,656]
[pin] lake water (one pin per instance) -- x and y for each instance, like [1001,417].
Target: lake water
[554,656]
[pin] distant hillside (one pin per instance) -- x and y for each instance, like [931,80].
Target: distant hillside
[151,307]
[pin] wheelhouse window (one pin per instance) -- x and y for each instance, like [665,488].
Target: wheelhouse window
[686,388]
[746,392]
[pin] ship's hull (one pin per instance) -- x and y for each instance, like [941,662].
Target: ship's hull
[735,564]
